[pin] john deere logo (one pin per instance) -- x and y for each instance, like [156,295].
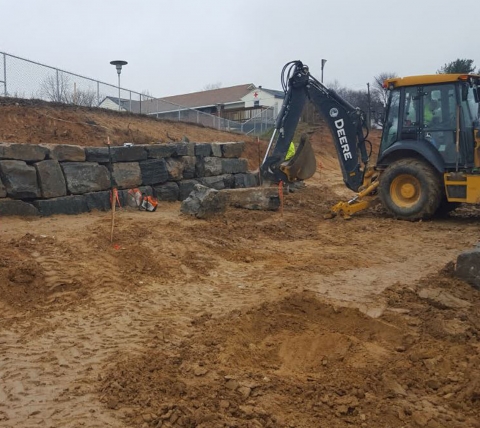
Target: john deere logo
[333,112]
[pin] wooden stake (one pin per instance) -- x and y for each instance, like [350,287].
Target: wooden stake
[114,204]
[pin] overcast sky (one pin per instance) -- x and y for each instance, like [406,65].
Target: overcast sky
[179,46]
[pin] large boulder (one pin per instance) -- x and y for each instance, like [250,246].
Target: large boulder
[184,149]
[185,187]
[3,191]
[51,179]
[128,153]
[204,202]
[234,166]
[20,179]
[98,200]
[468,267]
[166,192]
[189,163]
[246,180]
[213,166]
[24,152]
[256,198]
[175,169]
[154,171]
[203,149]
[126,175]
[86,177]
[158,151]
[216,182]
[15,207]
[67,153]
[75,204]
[97,154]
[232,150]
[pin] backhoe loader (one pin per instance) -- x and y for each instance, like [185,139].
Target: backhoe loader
[429,155]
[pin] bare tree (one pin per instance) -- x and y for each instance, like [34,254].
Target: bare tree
[55,87]
[58,88]
[380,93]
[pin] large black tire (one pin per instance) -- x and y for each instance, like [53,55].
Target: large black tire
[411,189]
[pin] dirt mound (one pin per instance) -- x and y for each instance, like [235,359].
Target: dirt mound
[35,121]
[302,362]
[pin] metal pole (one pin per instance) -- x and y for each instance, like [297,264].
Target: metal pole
[98,93]
[5,74]
[58,88]
[369,106]
[118,91]
[323,65]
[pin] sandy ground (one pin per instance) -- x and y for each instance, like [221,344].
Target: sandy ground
[249,319]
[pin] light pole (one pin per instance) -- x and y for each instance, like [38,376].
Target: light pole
[323,65]
[118,64]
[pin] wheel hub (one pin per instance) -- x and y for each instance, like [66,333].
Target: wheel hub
[405,190]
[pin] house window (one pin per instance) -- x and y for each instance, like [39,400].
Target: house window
[256,103]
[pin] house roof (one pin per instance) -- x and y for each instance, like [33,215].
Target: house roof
[213,97]
[274,92]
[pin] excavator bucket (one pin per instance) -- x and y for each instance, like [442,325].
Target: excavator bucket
[303,164]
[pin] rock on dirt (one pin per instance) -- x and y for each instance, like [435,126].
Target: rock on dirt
[204,202]
[468,267]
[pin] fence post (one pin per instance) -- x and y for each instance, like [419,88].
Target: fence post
[58,85]
[5,74]
[98,93]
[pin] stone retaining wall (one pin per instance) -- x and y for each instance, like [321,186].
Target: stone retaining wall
[67,179]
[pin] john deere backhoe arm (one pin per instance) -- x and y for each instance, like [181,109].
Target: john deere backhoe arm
[346,123]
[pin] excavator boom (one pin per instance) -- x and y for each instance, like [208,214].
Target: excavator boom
[345,121]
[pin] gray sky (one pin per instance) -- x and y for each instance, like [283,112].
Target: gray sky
[179,46]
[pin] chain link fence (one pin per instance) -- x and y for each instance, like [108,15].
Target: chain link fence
[23,78]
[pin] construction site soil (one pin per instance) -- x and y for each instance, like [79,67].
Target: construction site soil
[248,319]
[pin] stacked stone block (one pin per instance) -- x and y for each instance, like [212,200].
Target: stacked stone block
[68,179]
